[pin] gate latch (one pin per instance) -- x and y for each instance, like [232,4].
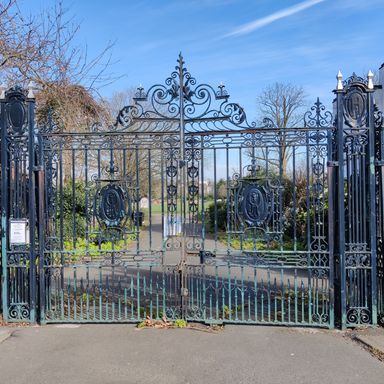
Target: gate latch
[184,292]
[206,256]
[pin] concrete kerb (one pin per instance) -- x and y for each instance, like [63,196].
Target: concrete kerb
[5,333]
[372,339]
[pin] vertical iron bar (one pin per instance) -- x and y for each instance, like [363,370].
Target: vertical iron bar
[4,209]
[372,200]
[150,200]
[331,237]
[32,208]
[341,213]
[182,185]
[41,232]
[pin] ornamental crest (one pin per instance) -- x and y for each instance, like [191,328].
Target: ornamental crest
[112,205]
[355,108]
[255,203]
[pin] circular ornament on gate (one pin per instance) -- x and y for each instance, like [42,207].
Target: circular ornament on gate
[171,171]
[113,205]
[355,107]
[255,205]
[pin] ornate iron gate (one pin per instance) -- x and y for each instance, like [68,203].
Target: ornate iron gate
[185,209]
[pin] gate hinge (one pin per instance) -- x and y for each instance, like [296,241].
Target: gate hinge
[379,163]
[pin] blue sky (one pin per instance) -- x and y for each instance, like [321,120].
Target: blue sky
[246,44]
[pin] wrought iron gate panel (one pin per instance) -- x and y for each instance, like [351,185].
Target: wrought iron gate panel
[185,209]
[235,293]
[260,261]
[99,265]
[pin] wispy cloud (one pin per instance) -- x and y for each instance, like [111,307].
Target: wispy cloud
[262,22]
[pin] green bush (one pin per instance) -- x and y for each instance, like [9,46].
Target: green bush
[221,217]
[180,323]
[74,209]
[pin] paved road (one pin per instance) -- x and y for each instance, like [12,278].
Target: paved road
[112,354]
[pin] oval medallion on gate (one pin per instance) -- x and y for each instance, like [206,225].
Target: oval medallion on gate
[256,205]
[113,205]
[16,115]
[355,107]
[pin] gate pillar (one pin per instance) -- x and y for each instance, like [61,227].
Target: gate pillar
[355,241]
[18,208]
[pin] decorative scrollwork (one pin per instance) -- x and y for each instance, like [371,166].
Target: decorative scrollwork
[358,260]
[379,117]
[380,319]
[180,95]
[195,312]
[358,315]
[127,116]
[18,258]
[19,311]
[193,244]
[173,243]
[354,79]
[173,312]
[320,273]
[355,144]
[320,318]
[51,123]
[268,123]
[317,118]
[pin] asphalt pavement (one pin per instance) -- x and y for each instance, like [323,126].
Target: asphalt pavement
[111,354]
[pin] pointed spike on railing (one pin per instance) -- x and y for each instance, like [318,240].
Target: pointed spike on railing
[339,77]
[370,76]
[181,59]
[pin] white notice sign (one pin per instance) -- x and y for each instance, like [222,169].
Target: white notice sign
[18,231]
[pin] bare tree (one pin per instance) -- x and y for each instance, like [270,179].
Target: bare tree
[41,48]
[282,104]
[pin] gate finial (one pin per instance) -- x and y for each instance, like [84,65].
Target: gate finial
[370,80]
[180,59]
[31,89]
[339,78]
[2,91]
